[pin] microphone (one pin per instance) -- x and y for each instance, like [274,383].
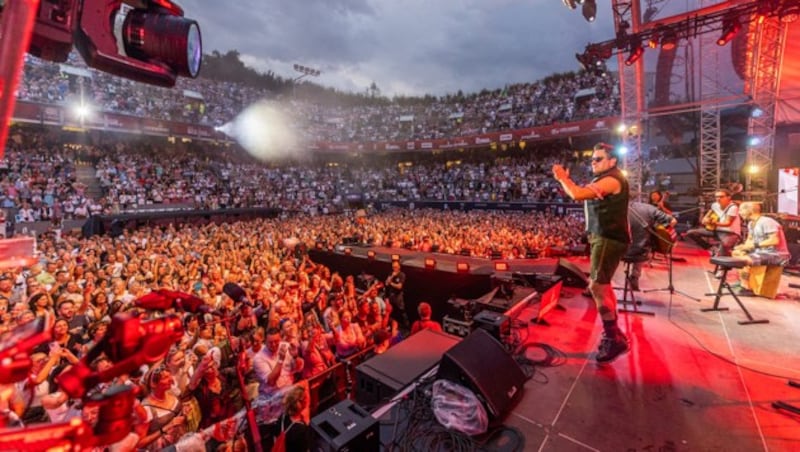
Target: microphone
[164,299]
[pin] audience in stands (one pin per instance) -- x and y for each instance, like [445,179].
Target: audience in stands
[564,98]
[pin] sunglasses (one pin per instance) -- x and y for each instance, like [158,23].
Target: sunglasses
[598,159]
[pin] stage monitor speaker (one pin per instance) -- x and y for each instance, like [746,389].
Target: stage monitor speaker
[381,377]
[345,427]
[480,363]
[571,274]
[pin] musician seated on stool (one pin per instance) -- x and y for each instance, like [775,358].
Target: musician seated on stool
[720,222]
[659,200]
[643,220]
[765,245]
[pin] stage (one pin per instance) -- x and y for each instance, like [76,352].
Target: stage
[692,380]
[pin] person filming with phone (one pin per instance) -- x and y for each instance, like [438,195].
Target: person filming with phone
[274,365]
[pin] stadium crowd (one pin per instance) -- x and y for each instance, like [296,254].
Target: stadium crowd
[564,98]
[39,180]
[303,318]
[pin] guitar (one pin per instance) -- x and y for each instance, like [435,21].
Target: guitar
[712,220]
[664,238]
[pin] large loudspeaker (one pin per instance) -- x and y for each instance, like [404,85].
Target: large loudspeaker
[571,274]
[481,364]
[345,427]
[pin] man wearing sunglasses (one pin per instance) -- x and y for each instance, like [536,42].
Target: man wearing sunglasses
[606,210]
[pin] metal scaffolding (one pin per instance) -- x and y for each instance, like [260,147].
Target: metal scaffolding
[766,39]
[631,87]
[710,161]
[768,43]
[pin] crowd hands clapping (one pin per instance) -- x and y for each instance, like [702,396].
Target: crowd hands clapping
[214,102]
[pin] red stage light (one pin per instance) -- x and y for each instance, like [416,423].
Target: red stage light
[462,267]
[501,266]
[371,255]
[430,263]
[730,27]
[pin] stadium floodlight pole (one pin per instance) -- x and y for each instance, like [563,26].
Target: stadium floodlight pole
[304,72]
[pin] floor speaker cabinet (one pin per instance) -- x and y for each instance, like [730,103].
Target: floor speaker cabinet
[345,427]
[481,363]
[380,378]
[498,325]
[571,274]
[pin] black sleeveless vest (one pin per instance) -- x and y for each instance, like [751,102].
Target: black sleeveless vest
[608,217]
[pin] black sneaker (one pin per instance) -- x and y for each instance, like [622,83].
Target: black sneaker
[611,347]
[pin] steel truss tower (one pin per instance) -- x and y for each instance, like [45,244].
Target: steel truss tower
[631,89]
[766,45]
[766,40]
[710,161]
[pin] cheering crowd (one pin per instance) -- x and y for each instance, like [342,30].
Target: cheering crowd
[303,318]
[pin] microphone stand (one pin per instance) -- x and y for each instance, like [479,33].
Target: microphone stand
[250,415]
[670,287]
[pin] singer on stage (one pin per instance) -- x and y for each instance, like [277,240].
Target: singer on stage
[606,210]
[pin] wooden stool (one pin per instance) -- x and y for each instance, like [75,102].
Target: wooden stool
[765,280]
[726,263]
[629,261]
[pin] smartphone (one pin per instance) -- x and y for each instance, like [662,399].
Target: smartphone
[283,350]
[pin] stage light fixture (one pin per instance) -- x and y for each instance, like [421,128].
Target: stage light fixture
[730,27]
[790,11]
[462,267]
[600,68]
[589,10]
[430,263]
[669,40]
[622,128]
[501,266]
[753,168]
[395,257]
[571,4]
[653,41]
[348,251]
[371,255]
[622,150]
[754,141]
[756,112]
[636,51]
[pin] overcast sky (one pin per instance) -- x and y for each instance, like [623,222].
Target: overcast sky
[407,47]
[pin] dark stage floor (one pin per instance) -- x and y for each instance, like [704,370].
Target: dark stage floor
[692,380]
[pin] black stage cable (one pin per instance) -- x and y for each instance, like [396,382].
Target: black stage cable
[727,360]
[553,356]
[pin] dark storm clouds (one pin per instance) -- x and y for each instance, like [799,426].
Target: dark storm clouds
[404,46]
